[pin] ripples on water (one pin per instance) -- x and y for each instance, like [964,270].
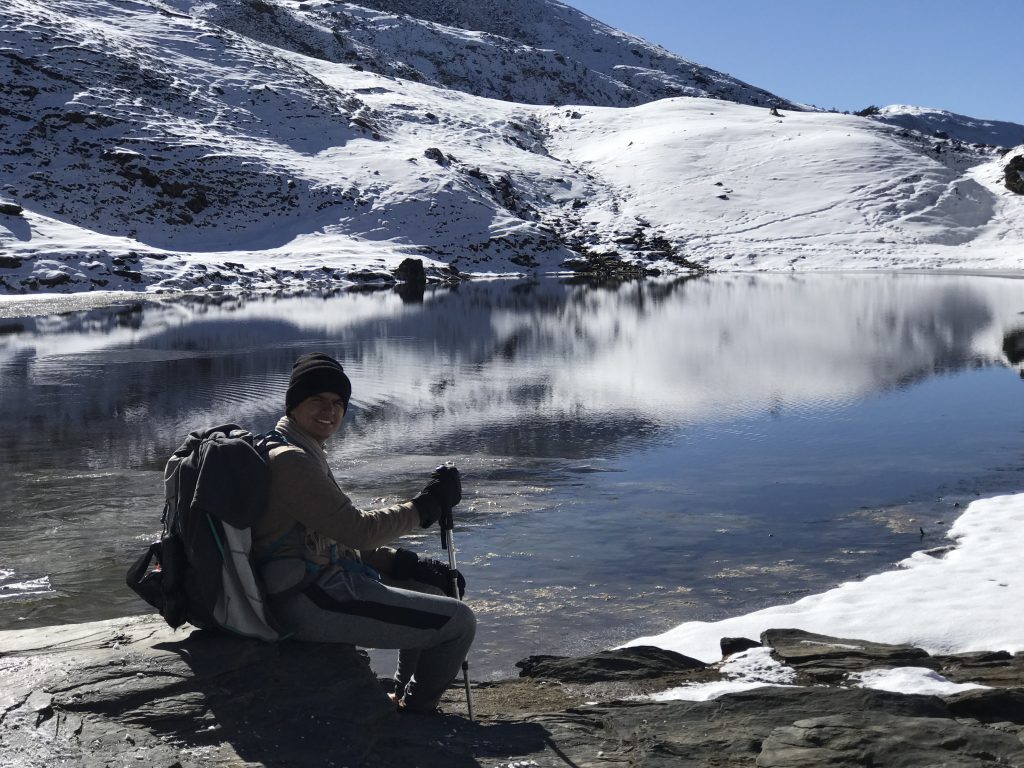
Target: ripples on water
[634,456]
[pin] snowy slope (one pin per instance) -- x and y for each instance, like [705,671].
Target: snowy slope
[150,146]
[738,188]
[527,51]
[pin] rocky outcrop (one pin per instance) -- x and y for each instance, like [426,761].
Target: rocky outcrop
[137,691]
[640,663]
[873,738]
[825,660]
[1013,174]
[132,691]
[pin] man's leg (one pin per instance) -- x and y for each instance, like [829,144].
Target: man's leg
[352,608]
[408,658]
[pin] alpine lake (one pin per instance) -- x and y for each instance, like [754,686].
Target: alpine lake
[634,455]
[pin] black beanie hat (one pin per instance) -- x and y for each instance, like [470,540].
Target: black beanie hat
[315,373]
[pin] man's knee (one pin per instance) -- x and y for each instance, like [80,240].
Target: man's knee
[464,621]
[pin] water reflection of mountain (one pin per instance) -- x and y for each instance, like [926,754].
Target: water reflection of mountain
[1013,346]
[508,367]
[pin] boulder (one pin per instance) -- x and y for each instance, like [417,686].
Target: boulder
[411,271]
[731,645]
[998,670]
[636,663]
[1013,174]
[874,739]
[732,730]
[997,705]
[823,659]
[435,154]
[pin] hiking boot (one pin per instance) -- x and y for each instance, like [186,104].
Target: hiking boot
[403,709]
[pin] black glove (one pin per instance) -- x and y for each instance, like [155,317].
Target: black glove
[403,564]
[442,493]
[438,574]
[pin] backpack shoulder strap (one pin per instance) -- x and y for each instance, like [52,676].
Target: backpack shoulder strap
[268,441]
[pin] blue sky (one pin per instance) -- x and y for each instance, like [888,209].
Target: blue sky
[846,54]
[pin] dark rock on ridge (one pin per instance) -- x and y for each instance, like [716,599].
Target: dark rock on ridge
[1013,174]
[132,691]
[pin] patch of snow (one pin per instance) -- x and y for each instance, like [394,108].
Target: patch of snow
[918,680]
[754,668]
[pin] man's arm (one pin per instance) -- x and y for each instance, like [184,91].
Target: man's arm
[300,487]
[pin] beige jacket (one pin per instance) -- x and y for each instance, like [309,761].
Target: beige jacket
[308,516]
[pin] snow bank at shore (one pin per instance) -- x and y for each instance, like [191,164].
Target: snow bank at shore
[956,599]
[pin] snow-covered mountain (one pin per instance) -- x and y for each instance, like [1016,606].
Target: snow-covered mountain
[949,125]
[269,142]
[527,51]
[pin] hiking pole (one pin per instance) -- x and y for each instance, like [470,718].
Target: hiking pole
[448,543]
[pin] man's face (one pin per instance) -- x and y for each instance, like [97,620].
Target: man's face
[319,415]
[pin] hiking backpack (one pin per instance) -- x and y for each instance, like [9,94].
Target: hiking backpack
[215,488]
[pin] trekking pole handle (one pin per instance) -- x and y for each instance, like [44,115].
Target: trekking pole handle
[446,523]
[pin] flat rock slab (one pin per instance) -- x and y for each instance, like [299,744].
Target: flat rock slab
[830,659]
[821,659]
[798,647]
[94,694]
[868,738]
[133,692]
[636,663]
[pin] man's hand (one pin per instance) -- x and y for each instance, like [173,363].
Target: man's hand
[438,574]
[442,493]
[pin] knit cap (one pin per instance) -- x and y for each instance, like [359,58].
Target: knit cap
[315,373]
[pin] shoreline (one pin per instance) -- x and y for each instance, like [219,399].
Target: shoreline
[133,690]
[18,305]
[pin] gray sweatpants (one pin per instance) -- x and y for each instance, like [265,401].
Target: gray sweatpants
[433,633]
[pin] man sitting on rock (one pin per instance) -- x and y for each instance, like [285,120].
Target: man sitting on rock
[322,559]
